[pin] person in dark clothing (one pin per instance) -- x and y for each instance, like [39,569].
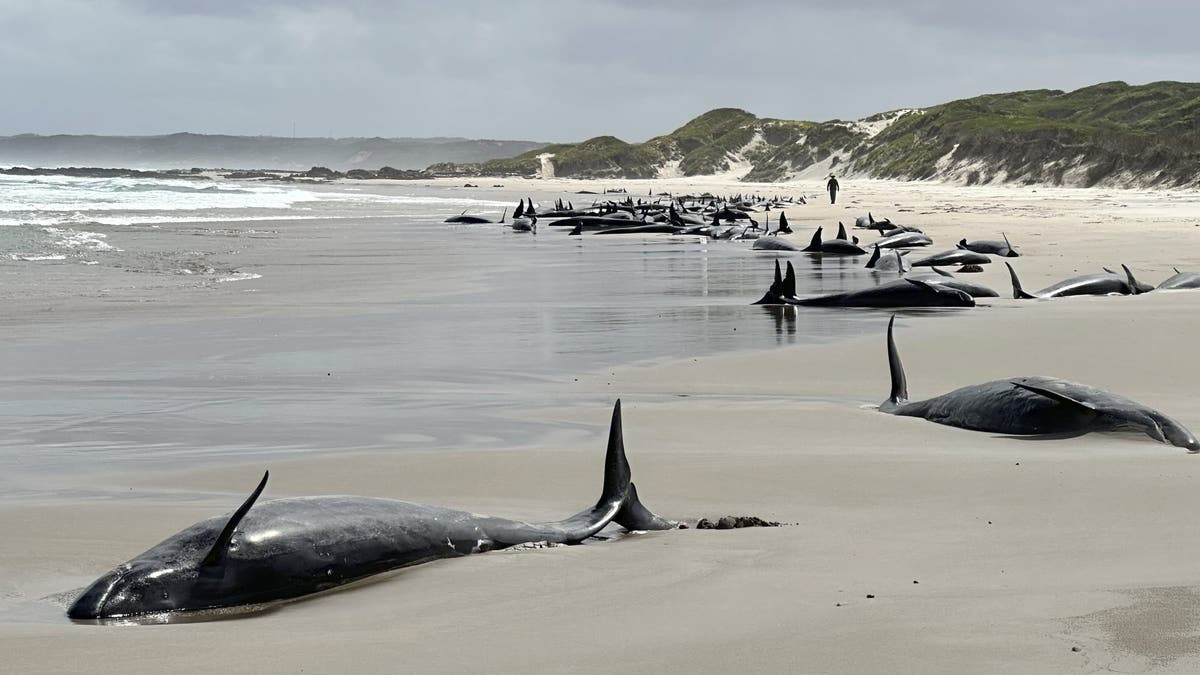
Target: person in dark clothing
[832,186]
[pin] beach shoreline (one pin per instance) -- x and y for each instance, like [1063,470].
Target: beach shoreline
[982,553]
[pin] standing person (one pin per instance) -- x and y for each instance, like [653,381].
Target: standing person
[832,186]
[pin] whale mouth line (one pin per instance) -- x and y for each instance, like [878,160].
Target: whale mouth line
[178,616]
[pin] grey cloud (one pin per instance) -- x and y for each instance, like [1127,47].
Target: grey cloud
[549,70]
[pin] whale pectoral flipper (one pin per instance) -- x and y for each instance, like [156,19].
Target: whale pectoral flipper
[1057,396]
[221,546]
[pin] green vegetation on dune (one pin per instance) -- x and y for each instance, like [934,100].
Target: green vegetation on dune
[1111,131]
[1107,130]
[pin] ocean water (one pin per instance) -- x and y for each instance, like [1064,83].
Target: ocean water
[483,324]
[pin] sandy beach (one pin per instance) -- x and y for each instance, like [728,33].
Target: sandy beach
[908,546]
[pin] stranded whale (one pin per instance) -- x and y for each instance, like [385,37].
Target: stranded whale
[906,292]
[288,548]
[1086,284]
[1031,405]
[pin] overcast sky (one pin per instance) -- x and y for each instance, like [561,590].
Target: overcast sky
[555,71]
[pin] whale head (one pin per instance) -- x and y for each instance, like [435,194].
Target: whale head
[136,588]
[190,570]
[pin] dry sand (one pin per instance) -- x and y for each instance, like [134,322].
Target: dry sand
[982,553]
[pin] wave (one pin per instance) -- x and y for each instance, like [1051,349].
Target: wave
[65,194]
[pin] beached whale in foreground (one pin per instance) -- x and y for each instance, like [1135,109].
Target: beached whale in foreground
[905,292]
[287,548]
[1032,405]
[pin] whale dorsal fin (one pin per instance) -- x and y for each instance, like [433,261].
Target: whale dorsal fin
[841,230]
[962,243]
[1057,396]
[1176,270]
[778,275]
[221,546]
[874,258]
[1007,242]
[503,214]
[855,240]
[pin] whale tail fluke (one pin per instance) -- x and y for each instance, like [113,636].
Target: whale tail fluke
[1012,252]
[618,485]
[1134,289]
[783,225]
[617,475]
[899,392]
[618,503]
[1018,292]
[789,281]
[774,293]
[634,516]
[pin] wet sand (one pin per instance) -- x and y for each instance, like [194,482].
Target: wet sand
[1021,549]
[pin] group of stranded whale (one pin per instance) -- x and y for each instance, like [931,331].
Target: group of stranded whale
[890,253]
[286,549]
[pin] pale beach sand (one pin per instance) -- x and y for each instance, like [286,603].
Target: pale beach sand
[984,554]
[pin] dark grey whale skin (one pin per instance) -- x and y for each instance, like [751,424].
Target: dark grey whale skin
[1032,405]
[1106,283]
[906,292]
[288,548]
[1181,280]
[955,256]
